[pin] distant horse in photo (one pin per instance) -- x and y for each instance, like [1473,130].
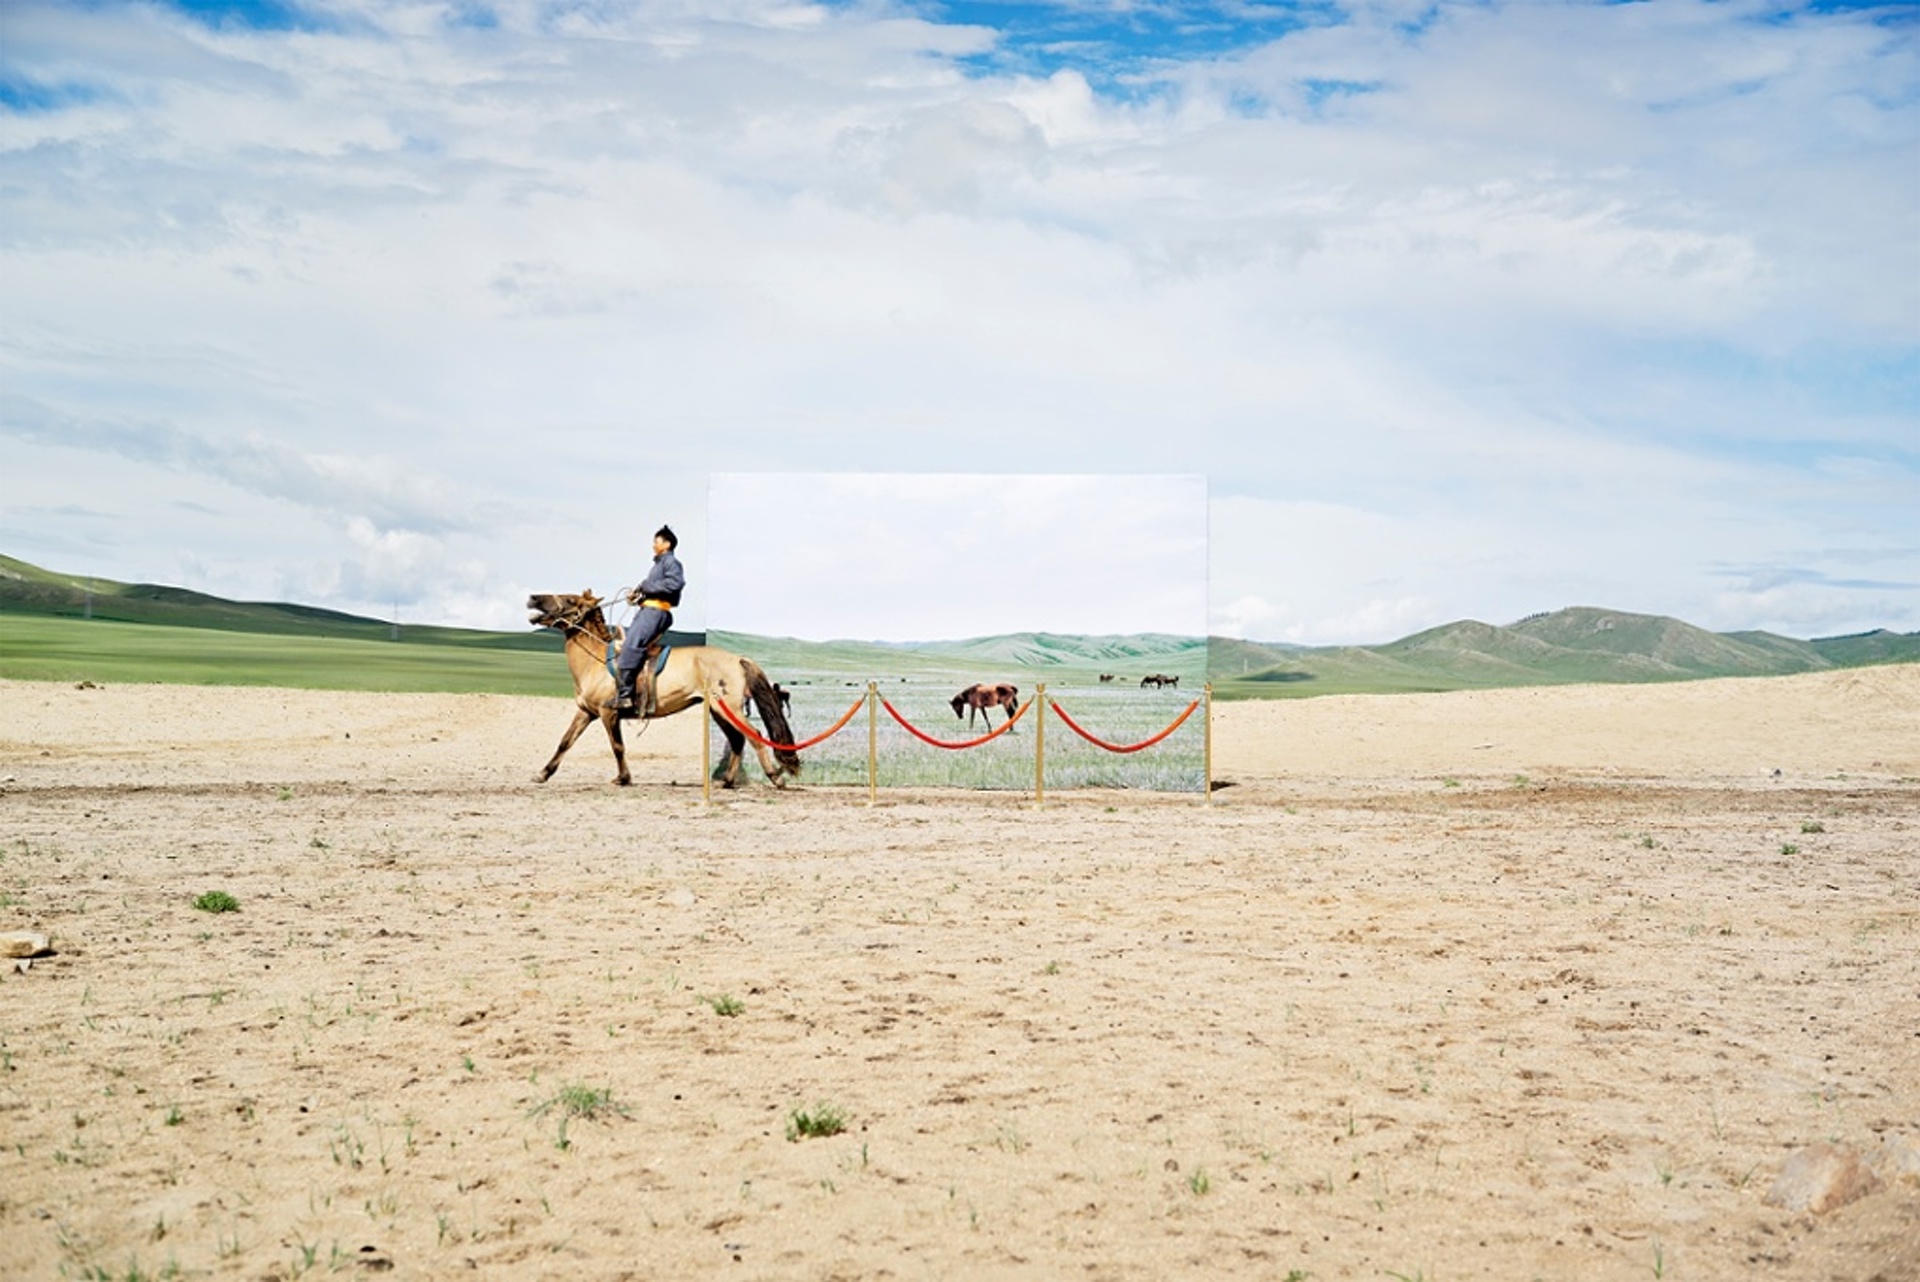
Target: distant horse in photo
[983,698]
[693,674]
[1106,678]
[1159,680]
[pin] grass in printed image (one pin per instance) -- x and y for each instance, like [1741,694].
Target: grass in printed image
[217,901]
[1119,714]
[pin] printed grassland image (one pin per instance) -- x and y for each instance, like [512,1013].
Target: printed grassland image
[925,585]
[1550,982]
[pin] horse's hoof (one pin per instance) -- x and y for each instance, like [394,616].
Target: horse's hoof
[624,781]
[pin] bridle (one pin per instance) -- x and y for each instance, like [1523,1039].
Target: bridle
[575,618]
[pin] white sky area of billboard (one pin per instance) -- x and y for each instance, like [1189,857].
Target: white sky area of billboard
[947,556]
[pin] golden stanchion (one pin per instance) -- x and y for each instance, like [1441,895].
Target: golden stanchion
[1040,745]
[1206,756]
[873,743]
[706,748]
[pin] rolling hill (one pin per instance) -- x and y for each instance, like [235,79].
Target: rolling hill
[26,589]
[1570,646]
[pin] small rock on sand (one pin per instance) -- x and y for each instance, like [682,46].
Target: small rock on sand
[1896,1160]
[23,943]
[1822,1178]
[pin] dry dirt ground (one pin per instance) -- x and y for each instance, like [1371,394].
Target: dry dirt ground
[1521,984]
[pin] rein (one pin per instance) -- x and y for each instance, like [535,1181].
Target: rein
[577,623]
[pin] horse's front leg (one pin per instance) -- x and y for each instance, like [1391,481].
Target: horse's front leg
[580,718]
[610,718]
[775,772]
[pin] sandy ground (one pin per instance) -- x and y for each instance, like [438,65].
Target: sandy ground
[1523,984]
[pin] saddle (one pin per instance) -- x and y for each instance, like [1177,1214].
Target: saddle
[652,663]
[655,660]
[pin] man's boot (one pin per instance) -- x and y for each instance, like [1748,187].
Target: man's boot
[623,693]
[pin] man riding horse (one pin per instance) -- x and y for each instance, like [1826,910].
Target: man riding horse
[656,596]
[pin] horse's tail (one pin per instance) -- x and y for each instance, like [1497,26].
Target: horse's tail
[761,690]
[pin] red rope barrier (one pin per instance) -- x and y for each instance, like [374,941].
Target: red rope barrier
[1114,747]
[748,730]
[917,733]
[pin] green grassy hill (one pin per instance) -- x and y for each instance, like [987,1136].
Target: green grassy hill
[110,651]
[29,590]
[1025,658]
[65,627]
[1566,647]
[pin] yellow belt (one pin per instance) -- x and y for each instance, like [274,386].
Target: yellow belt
[663,606]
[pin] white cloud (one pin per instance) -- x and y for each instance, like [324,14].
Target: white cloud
[1541,291]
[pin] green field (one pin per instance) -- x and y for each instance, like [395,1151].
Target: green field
[1117,714]
[105,651]
[1026,659]
[56,626]
[825,678]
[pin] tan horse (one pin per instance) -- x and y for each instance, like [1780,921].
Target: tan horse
[694,674]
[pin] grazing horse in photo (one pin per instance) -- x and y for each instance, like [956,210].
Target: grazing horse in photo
[1106,678]
[1159,680]
[984,698]
[693,674]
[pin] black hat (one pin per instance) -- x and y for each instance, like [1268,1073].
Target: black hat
[666,532]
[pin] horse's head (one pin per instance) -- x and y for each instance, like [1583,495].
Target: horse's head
[563,610]
[959,703]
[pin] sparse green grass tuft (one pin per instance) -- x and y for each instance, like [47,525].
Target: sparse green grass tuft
[823,1120]
[725,1005]
[573,1101]
[581,1101]
[217,901]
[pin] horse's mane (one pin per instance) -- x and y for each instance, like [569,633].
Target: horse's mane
[592,621]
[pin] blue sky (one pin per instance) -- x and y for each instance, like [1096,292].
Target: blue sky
[1464,310]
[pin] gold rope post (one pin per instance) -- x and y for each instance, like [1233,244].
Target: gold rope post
[1206,756]
[1040,745]
[873,742]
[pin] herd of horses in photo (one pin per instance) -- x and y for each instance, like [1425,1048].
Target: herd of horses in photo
[733,687]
